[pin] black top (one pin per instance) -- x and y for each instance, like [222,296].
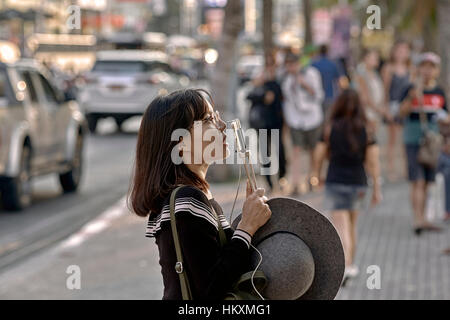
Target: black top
[275,115]
[211,270]
[272,113]
[398,85]
[346,166]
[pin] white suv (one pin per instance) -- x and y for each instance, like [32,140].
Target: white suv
[122,84]
[41,132]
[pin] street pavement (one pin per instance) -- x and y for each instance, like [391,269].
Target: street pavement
[118,262]
[108,160]
[93,230]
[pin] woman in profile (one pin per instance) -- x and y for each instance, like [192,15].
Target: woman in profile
[371,88]
[351,148]
[211,269]
[397,75]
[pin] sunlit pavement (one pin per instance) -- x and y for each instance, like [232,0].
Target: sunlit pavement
[118,262]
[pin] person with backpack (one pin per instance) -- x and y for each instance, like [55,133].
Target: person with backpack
[303,95]
[422,103]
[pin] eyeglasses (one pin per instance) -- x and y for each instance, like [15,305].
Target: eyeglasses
[215,119]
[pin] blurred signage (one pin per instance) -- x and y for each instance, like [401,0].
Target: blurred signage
[215,3]
[115,20]
[322,26]
[22,4]
[92,4]
[61,42]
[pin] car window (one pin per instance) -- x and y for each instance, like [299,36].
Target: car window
[158,67]
[119,66]
[26,76]
[48,89]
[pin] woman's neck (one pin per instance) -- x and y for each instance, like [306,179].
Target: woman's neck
[200,170]
[430,84]
[400,67]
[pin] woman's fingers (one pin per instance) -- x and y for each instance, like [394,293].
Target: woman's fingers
[260,192]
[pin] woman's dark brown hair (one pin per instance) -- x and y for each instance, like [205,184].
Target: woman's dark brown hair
[349,115]
[155,174]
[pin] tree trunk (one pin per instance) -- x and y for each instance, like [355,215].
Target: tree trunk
[443,14]
[307,21]
[430,37]
[221,79]
[267,26]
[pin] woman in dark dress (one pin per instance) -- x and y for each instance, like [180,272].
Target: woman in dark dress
[165,160]
[351,148]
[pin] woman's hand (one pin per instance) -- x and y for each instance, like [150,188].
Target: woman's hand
[386,114]
[413,94]
[269,98]
[255,212]
[377,197]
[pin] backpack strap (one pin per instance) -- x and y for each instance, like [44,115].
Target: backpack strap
[184,281]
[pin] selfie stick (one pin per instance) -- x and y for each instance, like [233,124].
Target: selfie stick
[244,152]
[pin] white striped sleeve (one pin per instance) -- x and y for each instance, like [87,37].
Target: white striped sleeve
[242,235]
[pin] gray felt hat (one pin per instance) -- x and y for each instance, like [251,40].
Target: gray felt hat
[302,253]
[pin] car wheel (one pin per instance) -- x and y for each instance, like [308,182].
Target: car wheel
[92,123]
[71,179]
[17,191]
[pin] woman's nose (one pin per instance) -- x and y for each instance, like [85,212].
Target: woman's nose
[221,125]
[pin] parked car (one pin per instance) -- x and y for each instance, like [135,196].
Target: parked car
[122,84]
[41,132]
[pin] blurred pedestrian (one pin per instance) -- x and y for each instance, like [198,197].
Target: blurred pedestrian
[444,163]
[397,74]
[426,97]
[332,77]
[303,96]
[281,56]
[266,113]
[350,147]
[371,89]
[214,254]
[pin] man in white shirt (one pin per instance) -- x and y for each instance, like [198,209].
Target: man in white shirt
[303,96]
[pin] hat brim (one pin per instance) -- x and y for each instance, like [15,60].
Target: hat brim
[319,235]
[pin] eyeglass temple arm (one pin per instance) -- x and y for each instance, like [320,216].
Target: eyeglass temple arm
[242,149]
